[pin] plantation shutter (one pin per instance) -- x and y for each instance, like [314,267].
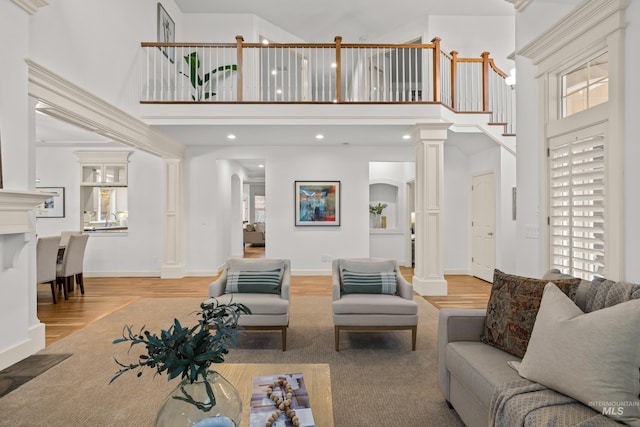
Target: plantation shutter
[577,203]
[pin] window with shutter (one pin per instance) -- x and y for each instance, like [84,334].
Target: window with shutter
[577,204]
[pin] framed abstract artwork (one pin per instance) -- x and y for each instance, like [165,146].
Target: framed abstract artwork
[317,203]
[166,32]
[53,207]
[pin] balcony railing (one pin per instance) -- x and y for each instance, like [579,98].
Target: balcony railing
[326,73]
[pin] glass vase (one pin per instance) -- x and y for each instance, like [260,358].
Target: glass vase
[189,404]
[375,221]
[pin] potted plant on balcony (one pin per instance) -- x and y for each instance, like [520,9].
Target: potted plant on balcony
[188,352]
[203,84]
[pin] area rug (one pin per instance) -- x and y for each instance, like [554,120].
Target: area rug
[375,377]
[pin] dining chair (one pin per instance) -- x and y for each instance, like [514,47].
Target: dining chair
[64,239]
[46,261]
[64,236]
[71,264]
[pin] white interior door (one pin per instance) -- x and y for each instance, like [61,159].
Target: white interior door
[483,226]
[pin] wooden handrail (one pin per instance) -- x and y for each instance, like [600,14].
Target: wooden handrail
[485,81]
[457,95]
[239,40]
[495,68]
[338,41]
[436,69]
[454,74]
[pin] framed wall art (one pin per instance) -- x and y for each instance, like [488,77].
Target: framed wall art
[317,203]
[166,32]
[53,207]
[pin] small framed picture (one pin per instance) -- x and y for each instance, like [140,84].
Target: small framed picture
[317,203]
[166,32]
[53,207]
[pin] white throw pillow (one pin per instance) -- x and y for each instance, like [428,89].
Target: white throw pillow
[593,357]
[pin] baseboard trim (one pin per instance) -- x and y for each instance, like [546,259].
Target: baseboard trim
[35,342]
[311,272]
[457,272]
[436,286]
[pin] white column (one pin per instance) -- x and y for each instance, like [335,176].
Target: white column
[173,262]
[428,276]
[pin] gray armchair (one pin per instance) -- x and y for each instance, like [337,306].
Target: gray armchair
[250,282]
[361,305]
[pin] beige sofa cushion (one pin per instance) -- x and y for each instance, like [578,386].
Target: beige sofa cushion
[374,304]
[604,367]
[367,265]
[240,264]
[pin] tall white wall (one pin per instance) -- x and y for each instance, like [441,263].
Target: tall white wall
[305,246]
[393,241]
[20,332]
[457,212]
[139,251]
[530,23]
[223,28]
[107,39]
[631,146]
[472,35]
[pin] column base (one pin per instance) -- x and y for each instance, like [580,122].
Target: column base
[430,287]
[172,272]
[35,342]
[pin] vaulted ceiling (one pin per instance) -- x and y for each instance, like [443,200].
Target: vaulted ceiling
[357,21]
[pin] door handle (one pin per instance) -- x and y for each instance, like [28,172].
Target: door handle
[490,233]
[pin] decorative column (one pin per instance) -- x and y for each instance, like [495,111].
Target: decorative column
[173,236]
[428,276]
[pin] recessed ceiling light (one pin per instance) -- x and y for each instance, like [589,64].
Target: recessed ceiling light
[406,136]
[231,136]
[279,91]
[274,72]
[260,166]
[334,65]
[319,136]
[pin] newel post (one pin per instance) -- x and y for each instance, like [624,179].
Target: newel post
[485,81]
[436,69]
[239,40]
[454,76]
[338,41]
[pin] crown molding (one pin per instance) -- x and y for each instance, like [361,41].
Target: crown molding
[31,6]
[519,5]
[582,19]
[64,100]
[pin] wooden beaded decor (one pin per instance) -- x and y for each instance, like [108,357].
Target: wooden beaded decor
[282,405]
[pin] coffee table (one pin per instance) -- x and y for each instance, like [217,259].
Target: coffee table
[317,379]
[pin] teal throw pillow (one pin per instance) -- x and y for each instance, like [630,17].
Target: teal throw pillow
[369,283]
[262,282]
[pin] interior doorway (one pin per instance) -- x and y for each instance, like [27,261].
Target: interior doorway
[483,226]
[254,208]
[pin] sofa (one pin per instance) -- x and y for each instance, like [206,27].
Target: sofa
[254,234]
[479,380]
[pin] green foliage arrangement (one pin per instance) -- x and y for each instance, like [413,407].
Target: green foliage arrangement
[377,209]
[187,352]
[203,85]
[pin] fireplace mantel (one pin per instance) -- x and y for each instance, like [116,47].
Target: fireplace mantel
[15,229]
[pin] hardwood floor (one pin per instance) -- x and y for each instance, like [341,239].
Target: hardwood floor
[106,295]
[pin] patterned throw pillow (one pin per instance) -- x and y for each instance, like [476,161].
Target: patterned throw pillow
[368,283]
[512,309]
[263,282]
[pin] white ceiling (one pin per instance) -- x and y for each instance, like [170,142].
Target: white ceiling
[357,21]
